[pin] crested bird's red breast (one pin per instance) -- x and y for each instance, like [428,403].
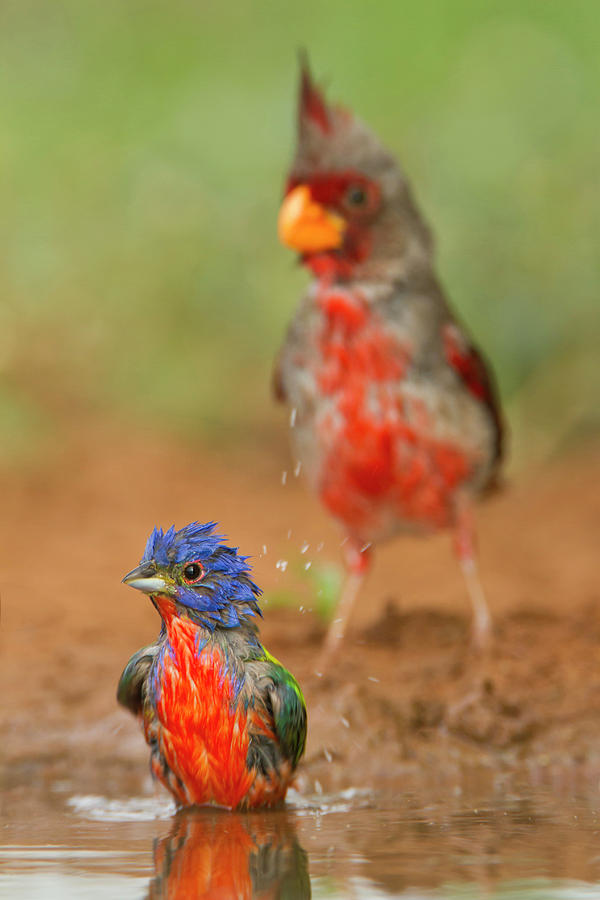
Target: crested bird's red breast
[381,461]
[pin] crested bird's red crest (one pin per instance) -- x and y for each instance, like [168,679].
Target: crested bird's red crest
[312,105]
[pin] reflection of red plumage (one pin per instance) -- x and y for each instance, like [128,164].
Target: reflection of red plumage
[396,419]
[212,855]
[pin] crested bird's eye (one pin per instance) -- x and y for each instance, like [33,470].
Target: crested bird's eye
[193,572]
[356,196]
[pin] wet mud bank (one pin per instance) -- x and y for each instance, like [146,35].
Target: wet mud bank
[408,704]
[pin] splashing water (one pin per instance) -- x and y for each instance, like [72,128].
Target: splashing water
[134,809]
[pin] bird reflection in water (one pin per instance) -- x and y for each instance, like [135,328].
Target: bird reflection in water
[221,855]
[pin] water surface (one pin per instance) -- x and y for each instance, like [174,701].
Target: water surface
[354,844]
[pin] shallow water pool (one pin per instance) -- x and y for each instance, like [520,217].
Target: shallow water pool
[352,845]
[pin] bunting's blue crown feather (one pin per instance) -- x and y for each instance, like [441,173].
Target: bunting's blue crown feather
[225,595]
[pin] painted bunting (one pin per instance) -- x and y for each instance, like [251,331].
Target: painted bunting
[225,721]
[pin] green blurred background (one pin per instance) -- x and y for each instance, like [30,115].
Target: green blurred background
[142,153]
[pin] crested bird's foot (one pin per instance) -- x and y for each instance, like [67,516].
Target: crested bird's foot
[481,623]
[337,628]
[331,646]
[482,636]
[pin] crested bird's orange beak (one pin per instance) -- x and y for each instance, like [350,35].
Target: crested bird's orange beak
[307,226]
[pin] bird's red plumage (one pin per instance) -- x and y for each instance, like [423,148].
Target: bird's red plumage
[203,727]
[377,466]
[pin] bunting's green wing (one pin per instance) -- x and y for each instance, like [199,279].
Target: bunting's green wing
[288,708]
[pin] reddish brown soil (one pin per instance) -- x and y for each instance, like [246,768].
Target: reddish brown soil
[408,700]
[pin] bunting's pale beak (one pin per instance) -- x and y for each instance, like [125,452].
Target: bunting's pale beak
[307,226]
[145,579]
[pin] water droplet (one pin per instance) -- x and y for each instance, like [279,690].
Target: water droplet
[320,546]
[307,565]
[289,534]
[297,468]
[304,547]
[365,547]
[281,564]
[301,609]
[318,787]
[293,414]
[327,755]
[344,722]
[372,678]
[264,550]
[283,477]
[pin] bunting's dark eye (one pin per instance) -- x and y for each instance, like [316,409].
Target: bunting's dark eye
[193,572]
[356,196]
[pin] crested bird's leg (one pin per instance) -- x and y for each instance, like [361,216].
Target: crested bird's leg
[358,560]
[464,544]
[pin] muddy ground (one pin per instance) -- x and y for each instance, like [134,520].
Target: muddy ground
[409,702]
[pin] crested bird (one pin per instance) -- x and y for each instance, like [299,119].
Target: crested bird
[225,721]
[396,418]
